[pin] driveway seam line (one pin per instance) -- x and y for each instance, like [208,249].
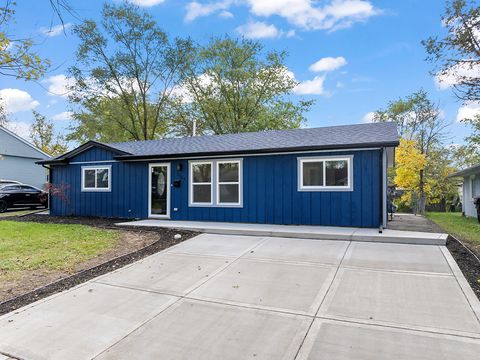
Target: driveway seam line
[289,262]
[11,356]
[249,307]
[407,272]
[321,303]
[400,327]
[186,297]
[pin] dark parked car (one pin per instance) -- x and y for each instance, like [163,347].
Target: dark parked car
[20,195]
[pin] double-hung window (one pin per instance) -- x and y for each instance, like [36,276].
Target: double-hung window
[96,178]
[228,182]
[325,173]
[216,183]
[201,191]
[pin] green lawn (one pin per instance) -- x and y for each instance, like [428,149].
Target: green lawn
[36,246]
[466,229]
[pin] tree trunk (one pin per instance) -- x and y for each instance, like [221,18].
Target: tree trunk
[422,197]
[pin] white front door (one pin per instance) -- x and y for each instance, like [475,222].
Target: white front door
[159,191]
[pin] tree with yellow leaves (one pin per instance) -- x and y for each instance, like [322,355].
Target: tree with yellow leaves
[419,120]
[410,168]
[410,163]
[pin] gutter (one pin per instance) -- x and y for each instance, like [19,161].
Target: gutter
[467,172]
[254,151]
[49,177]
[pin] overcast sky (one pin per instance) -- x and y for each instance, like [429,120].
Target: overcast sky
[351,56]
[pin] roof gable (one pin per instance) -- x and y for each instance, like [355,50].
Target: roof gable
[64,158]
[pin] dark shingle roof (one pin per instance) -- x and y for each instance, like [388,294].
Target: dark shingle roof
[331,137]
[361,135]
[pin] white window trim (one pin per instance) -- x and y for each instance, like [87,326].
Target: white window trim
[214,183]
[191,183]
[96,189]
[168,180]
[302,160]
[239,183]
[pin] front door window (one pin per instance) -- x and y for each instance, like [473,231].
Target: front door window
[159,190]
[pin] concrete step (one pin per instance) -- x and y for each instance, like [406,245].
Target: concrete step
[299,231]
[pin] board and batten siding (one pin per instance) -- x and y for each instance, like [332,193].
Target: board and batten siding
[127,198]
[271,196]
[270,192]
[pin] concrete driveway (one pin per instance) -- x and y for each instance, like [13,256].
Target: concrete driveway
[247,297]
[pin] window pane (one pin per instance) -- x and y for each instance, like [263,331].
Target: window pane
[11,188]
[202,194]
[229,193]
[337,173]
[228,172]
[102,178]
[202,173]
[313,173]
[89,178]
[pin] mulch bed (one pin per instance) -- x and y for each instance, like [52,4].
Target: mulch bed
[165,240]
[467,262]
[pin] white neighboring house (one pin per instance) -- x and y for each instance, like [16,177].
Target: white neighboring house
[471,188]
[17,160]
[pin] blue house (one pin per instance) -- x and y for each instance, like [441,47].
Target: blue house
[333,176]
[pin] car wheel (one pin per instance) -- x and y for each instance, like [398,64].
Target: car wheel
[3,206]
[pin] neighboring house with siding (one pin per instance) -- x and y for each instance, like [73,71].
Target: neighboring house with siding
[320,176]
[17,160]
[470,189]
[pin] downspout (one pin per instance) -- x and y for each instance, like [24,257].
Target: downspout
[49,178]
[384,189]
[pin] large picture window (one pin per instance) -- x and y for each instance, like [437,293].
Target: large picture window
[216,183]
[325,174]
[96,178]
